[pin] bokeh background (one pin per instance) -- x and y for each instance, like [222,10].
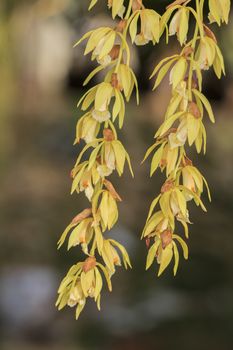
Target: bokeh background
[40,82]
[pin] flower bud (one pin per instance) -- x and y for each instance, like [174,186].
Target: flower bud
[150,30]
[178,72]
[179,25]
[87,128]
[166,238]
[89,264]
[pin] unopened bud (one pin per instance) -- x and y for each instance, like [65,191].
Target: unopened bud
[186,161]
[137,5]
[194,110]
[167,186]
[167,133]
[81,216]
[187,51]
[114,53]
[114,81]
[108,135]
[112,190]
[89,264]
[121,25]
[148,243]
[209,33]
[166,238]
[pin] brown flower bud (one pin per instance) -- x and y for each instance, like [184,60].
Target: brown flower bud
[167,186]
[209,33]
[121,25]
[114,81]
[108,135]
[112,190]
[89,264]
[137,5]
[186,161]
[167,133]
[81,216]
[166,238]
[148,242]
[114,53]
[194,110]
[187,51]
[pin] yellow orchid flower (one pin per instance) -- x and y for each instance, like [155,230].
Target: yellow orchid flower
[179,25]
[219,11]
[157,223]
[82,281]
[163,249]
[101,95]
[209,54]
[87,128]
[150,29]
[111,257]
[108,210]
[85,179]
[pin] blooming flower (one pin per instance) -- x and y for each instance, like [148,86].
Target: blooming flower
[219,11]
[84,179]
[87,128]
[179,137]
[179,24]
[150,30]
[163,249]
[209,54]
[111,257]
[82,281]
[101,96]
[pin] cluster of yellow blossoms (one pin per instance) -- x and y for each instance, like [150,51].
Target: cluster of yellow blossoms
[183,126]
[103,153]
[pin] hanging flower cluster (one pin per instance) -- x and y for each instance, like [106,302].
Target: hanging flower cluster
[183,126]
[103,154]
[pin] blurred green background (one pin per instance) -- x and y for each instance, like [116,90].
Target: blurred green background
[40,82]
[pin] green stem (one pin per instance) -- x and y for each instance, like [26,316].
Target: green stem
[124,34]
[199,10]
[129,9]
[92,252]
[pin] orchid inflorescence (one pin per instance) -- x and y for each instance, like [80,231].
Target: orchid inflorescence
[104,104]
